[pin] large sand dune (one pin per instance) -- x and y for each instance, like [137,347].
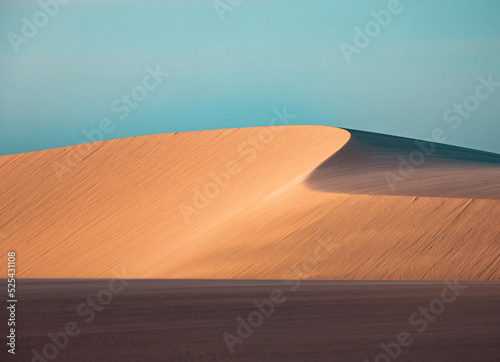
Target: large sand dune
[257,203]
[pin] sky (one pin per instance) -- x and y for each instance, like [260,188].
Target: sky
[65,74]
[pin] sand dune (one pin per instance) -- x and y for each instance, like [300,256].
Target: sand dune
[247,203]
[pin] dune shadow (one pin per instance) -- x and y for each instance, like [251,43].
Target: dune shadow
[375,164]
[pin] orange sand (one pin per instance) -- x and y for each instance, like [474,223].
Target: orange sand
[122,207]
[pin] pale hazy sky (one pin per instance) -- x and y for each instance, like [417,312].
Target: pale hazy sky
[265,54]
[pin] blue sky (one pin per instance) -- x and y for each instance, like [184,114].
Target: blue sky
[265,54]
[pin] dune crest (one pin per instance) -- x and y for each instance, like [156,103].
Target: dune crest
[234,204]
[376,164]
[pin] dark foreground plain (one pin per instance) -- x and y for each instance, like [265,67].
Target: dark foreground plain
[185,320]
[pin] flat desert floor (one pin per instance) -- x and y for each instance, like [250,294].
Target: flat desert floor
[186,320]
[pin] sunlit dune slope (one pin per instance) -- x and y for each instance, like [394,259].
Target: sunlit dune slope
[233,204]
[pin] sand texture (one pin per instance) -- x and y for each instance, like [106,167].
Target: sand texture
[257,203]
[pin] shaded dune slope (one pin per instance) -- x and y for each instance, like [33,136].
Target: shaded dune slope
[377,164]
[153,206]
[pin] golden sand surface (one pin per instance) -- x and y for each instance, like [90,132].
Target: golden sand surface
[243,204]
